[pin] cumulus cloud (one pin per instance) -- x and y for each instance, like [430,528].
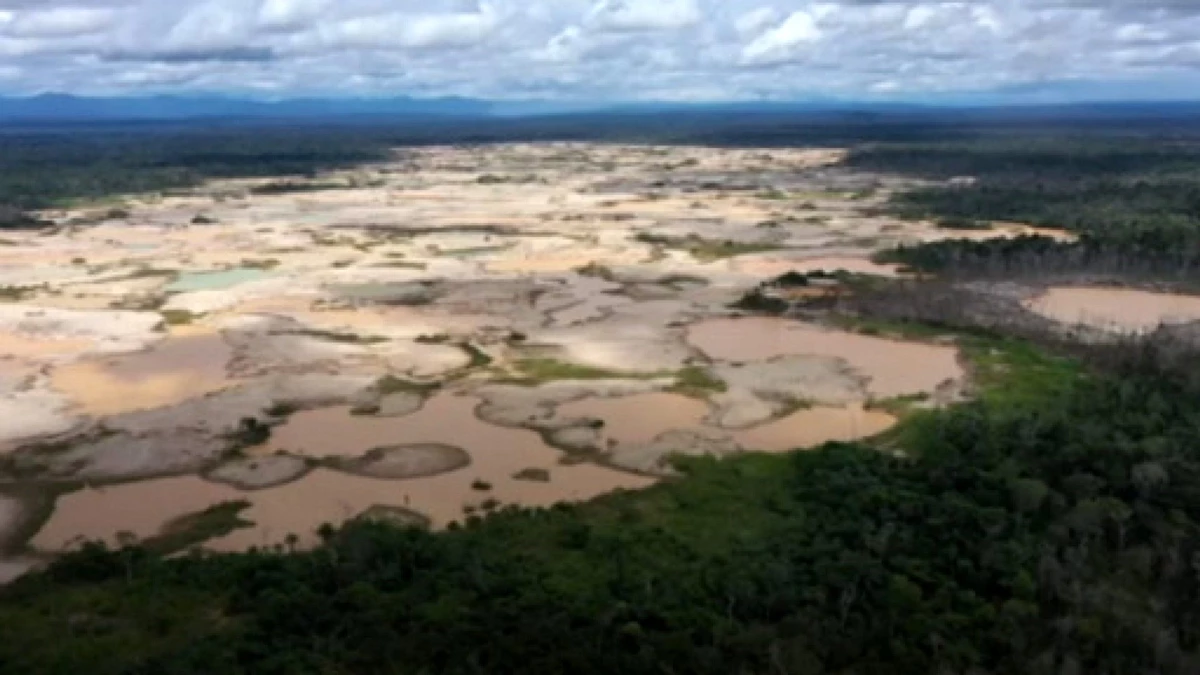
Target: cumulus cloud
[58,22]
[783,42]
[291,15]
[596,49]
[640,15]
[401,30]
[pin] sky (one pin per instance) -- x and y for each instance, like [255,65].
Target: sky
[590,50]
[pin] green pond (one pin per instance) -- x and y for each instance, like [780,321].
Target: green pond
[215,281]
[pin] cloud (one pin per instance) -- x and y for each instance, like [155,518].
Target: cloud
[407,31]
[233,54]
[783,42]
[290,15]
[754,21]
[58,22]
[640,15]
[598,49]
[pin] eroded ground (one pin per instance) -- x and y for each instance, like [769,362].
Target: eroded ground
[456,330]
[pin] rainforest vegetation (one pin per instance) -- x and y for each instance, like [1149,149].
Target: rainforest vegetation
[1133,202]
[1050,526]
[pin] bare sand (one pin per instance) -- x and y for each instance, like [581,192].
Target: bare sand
[772,266]
[418,229]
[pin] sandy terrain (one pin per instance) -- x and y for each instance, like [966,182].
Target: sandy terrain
[135,351]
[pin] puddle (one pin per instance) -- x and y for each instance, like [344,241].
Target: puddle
[631,420]
[188,364]
[1116,309]
[895,368]
[324,495]
[139,509]
[215,281]
[640,418]
[813,427]
[329,496]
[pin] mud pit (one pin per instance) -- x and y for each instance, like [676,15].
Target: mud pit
[595,277]
[892,368]
[187,364]
[1116,309]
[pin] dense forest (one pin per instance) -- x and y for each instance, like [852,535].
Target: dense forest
[53,169]
[1050,526]
[1134,201]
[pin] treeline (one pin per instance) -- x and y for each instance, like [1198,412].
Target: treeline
[46,170]
[47,167]
[1133,201]
[1152,254]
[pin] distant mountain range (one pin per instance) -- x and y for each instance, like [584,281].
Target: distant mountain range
[65,108]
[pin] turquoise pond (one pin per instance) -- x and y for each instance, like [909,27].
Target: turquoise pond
[215,281]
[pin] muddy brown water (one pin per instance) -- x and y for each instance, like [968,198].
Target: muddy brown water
[642,418]
[812,427]
[895,368]
[1117,309]
[299,508]
[190,363]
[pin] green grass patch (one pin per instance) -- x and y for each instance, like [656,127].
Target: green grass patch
[178,317]
[15,293]
[402,265]
[705,250]
[697,382]
[539,371]
[196,528]
[899,406]
[390,384]
[900,330]
[345,338]
[257,264]
[148,272]
[1014,373]
[477,357]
